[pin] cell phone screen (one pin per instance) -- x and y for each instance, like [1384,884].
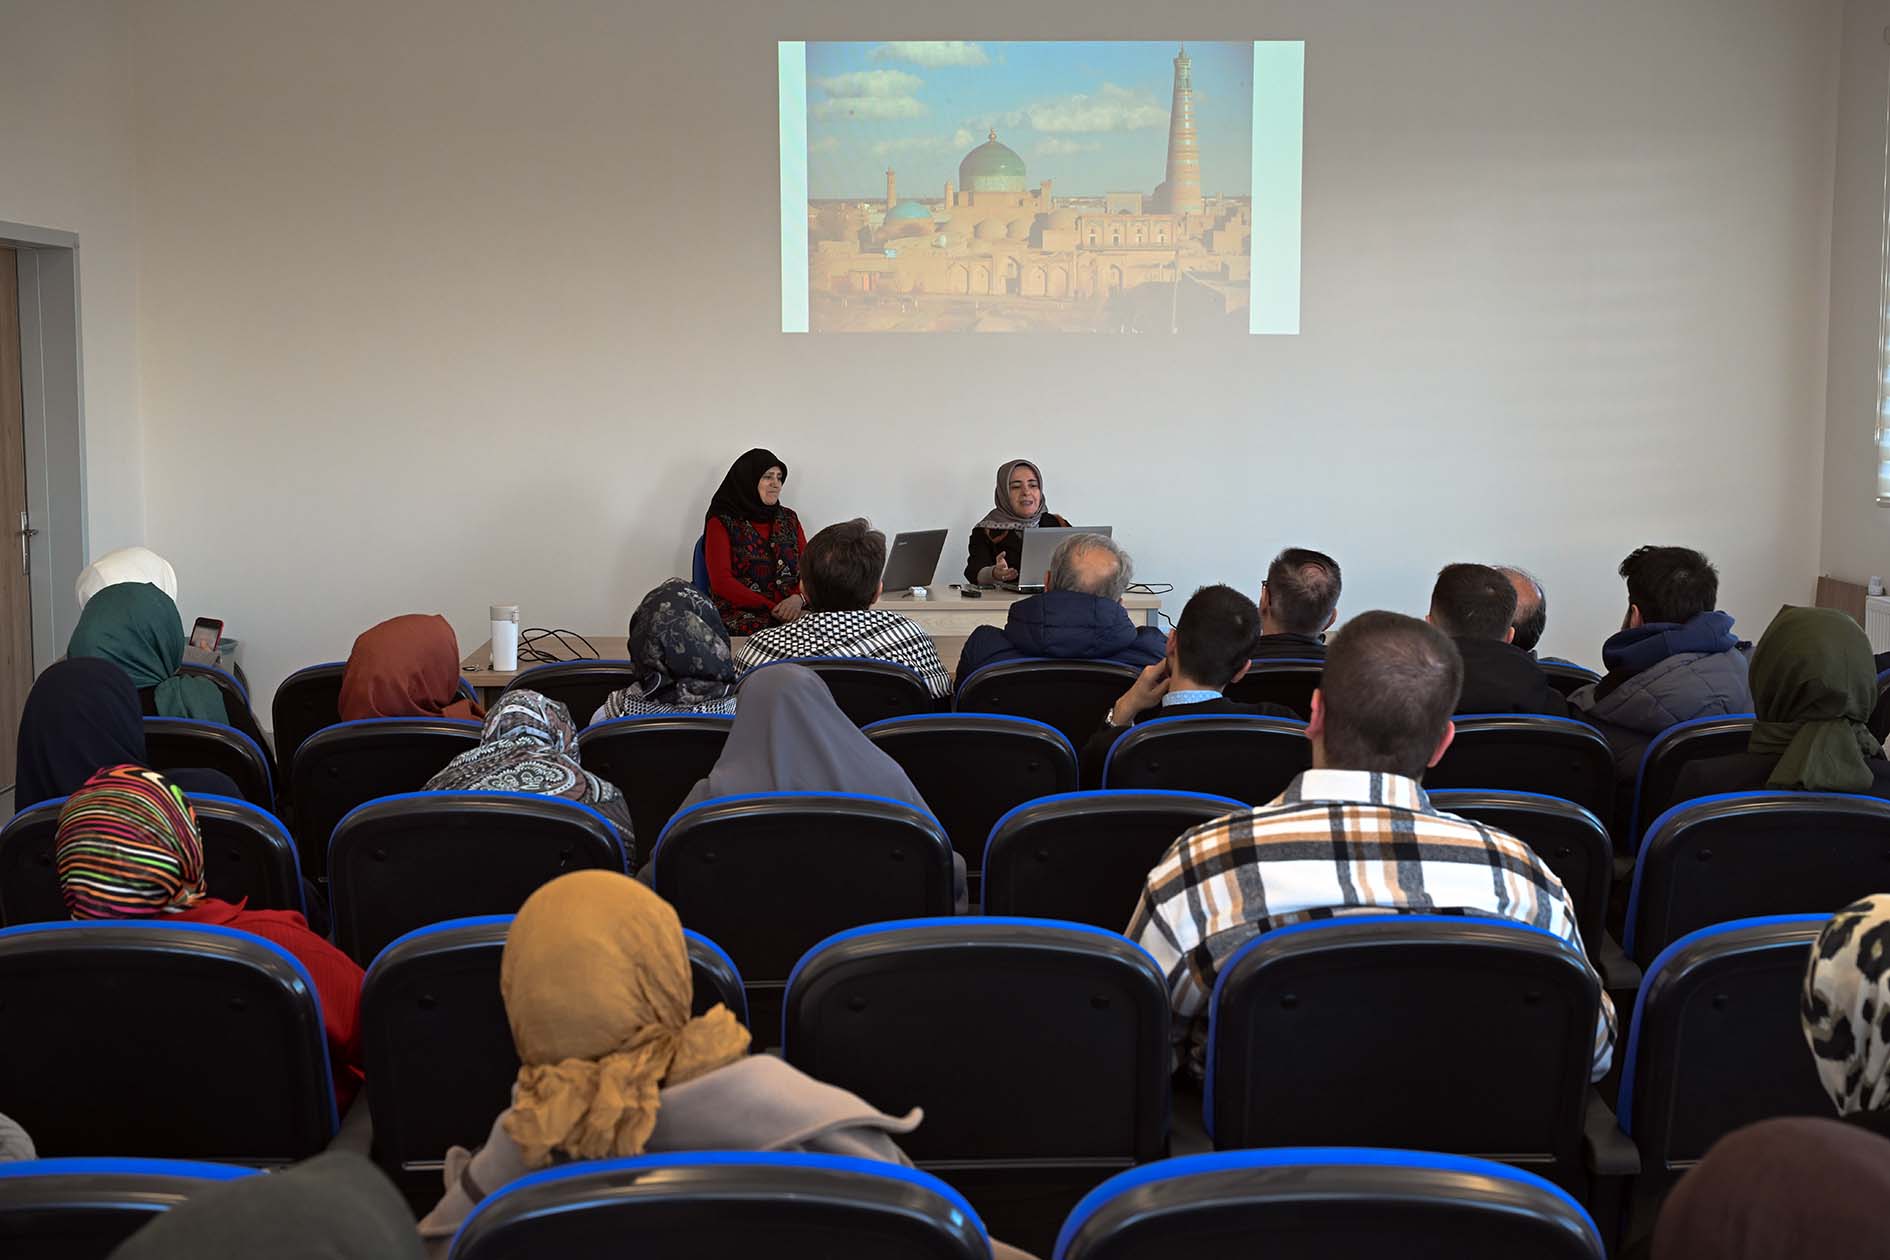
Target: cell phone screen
[205,634]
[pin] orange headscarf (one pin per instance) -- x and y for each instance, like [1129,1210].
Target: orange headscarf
[405,667]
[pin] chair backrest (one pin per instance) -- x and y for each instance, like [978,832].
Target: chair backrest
[1571,841]
[725,1203]
[1039,1051]
[1084,856]
[1337,1203]
[868,691]
[438,1051]
[1251,759]
[580,686]
[769,876]
[1284,680]
[1481,1029]
[654,761]
[1566,676]
[1717,1041]
[304,703]
[972,768]
[1671,752]
[178,1040]
[1525,753]
[1072,696]
[229,684]
[81,1209]
[699,566]
[402,862]
[1745,854]
[247,855]
[172,743]
[352,763]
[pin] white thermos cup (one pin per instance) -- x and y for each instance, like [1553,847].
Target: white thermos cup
[504,637]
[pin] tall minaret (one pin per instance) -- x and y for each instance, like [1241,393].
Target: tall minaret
[892,189]
[1183,184]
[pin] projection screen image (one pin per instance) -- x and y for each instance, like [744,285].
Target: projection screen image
[984,186]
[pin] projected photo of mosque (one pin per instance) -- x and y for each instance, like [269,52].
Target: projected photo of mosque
[1005,187]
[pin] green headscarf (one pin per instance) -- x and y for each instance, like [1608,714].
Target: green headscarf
[1814,684]
[136,627]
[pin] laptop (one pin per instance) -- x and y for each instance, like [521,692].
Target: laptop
[913,560]
[1039,545]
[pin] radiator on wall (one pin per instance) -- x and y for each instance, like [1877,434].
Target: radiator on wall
[1877,622]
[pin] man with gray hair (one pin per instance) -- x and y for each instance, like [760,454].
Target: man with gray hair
[1078,617]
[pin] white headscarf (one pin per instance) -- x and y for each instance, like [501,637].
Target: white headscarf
[127,564]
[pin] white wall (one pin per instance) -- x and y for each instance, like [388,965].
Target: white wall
[452,301]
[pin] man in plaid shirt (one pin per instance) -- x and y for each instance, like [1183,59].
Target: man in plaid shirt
[1353,835]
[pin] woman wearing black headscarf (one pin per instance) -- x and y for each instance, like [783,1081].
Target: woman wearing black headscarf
[752,544]
[997,541]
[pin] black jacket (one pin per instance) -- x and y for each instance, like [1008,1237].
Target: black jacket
[984,550]
[1747,772]
[1289,647]
[1502,678]
[1095,752]
[1066,625]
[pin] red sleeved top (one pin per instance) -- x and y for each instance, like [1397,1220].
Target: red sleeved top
[722,580]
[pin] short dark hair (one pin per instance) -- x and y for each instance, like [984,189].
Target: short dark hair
[1216,634]
[841,568]
[1670,584]
[1305,589]
[1473,601]
[1532,611]
[1389,687]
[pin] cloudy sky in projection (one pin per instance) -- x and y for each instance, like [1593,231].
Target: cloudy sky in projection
[1091,116]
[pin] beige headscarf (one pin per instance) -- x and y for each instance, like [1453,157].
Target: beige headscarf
[596,984]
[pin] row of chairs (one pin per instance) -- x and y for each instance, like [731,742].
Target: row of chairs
[1038,1050]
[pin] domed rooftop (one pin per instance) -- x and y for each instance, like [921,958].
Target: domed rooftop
[1065,218]
[908,210]
[992,167]
[1020,229]
[989,230]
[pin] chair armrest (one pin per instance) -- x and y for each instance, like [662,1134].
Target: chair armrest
[1607,1151]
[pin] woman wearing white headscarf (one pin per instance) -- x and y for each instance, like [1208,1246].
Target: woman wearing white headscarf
[127,564]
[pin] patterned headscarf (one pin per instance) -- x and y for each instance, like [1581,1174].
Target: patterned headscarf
[1004,518]
[681,652]
[127,847]
[1846,1002]
[529,745]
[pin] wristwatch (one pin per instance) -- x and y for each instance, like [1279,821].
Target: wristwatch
[1109,720]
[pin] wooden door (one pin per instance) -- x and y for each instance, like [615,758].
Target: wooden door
[16,608]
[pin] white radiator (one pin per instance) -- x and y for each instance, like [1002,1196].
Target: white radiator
[1877,622]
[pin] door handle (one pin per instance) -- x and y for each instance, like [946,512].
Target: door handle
[27,534]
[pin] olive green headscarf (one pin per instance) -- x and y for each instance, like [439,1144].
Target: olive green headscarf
[1814,684]
[136,627]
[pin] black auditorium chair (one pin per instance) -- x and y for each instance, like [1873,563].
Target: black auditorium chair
[654,762]
[788,1205]
[178,1040]
[868,691]
[767,877]
[972,768]
[1279,681]
[226,682]
[1476,1033]
[352,763]
[1566,676]
[1657,781]
[1745,854]
[402,862]
[580,686]
[1717,1043]
[1039,1051]
[1084,856]
[437,1050]
[1072,696]
[247,855]
[1251,759]
[1330,1204]
[170,743]
[310,699]
[1526,753]
[81,1209]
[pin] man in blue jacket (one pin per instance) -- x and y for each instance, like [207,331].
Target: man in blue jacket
[1078,617]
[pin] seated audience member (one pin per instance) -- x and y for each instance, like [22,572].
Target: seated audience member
[997,541]
[405,667]
[1846,995]
[681,651]
[1674,659]
[840,581]
[530,745]
[1813,687]
[752,544]
[15,1143]
[127,847]
[1788,1188]
[1355,834]
[1474,605]
[1299,601]
[1078,617]
[127,564]
[1209,650]
[136,627]
[596,983]
[1532,607]
[81,716]
[336,1206]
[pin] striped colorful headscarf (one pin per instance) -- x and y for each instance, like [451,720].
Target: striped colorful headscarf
[128,847]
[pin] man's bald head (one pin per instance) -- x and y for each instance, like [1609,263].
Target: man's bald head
[1532,607]
[1090,564]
